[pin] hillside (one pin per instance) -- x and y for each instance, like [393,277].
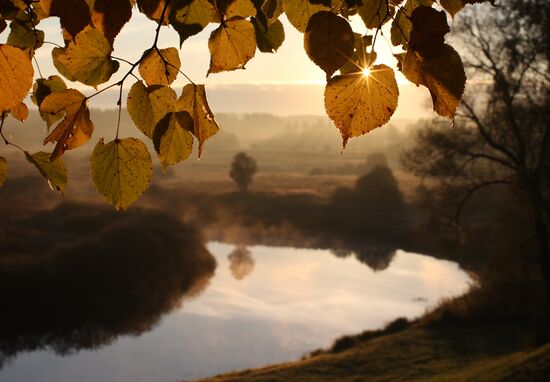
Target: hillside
[420,354]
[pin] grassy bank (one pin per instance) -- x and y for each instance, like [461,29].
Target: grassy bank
[422,353]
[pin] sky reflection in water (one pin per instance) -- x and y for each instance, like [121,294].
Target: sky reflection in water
[283,303]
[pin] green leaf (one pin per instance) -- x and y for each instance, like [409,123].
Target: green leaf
[189,17]
[3,170]
[329,41]
[375,13]
[269,40]
[172,139]
[24,37]
[160,66]
[41,89]
[76,128]
[121,170]
[87,59]
[231,45]
[148,105]
[16,74]
[443,75]
[358,103]
[299,12]
[53,170]
[193,101]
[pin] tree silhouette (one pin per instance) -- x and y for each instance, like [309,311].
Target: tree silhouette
[501,138]
[242,171]
[361,97]
[241,262]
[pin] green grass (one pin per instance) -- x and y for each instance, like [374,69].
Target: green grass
[453,353]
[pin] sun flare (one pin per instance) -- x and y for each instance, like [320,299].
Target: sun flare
[366,72]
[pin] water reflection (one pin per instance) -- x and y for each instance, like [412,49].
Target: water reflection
[241,262]
[377,258]
[78,277]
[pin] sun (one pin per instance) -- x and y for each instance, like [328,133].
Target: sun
[366,72]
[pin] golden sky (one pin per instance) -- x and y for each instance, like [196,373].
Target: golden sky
[286,82]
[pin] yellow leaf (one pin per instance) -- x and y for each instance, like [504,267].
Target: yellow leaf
[121,170]
[148,105]
[20,112]
[16,74]
[172,139]
[299,12]
[193,101]
[76,128]
[3,170]
[270,39]
[329,41]
[242,8]
[191,18]
[358,103]
[375,13]
[160,66]
[53,170]
[42,88]
[231,45]
[87,59]
[443,75]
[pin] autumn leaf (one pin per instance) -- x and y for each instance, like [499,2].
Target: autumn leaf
[428,31]
[121,170]
[443,75]
[24,37]
[20,112]
[401,26]
[231,45]
[299,12]
[54,171]
[375,13]
[42,88]
[74,15]
[270,39]
[189,17]
[16,74]
[361,58]
[160,66]
[172,139]
[452,6]
[358,104]
[76,128]
[329,41]
[232,8]
[3,170]
[153,9]
[193,101]
[109,16]
[87,59]
[148,105]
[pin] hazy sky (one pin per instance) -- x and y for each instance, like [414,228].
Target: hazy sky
[286,82]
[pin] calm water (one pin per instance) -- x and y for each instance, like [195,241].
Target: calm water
[262,305]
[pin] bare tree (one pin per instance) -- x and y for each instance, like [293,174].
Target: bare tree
[243,169]
[501,136]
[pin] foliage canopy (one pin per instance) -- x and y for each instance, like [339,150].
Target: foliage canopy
[362,97]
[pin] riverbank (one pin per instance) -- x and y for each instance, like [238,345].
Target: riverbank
[489,352]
